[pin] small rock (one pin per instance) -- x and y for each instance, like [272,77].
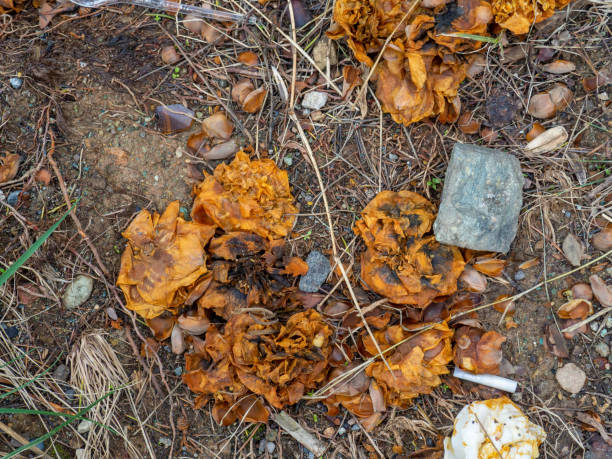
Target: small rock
[84,426]
[70,394]
[602,349]
[61,373]
[10,332]
[571,378]
[314,100]
[262,446]
[328,432]
[78,291]
[322,50]
[341,431]
[80,453]
[13,197]
[165,442]
[594,326]
[270,446]
[288,160]
[318,270]
[355,427]
[16,82]
[178,371]
[481,199]
[271,434]
[519,275]
[393,157]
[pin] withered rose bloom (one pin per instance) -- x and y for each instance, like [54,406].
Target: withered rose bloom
[163,259]
[518,15]
[400,262]
[246,195]
[277,362]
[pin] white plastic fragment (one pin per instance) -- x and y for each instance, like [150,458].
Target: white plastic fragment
[507,385]
[491,429]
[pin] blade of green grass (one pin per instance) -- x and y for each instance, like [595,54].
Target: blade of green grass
[74,417]
[26,384]
[470,36]
[49,434]
[28,253]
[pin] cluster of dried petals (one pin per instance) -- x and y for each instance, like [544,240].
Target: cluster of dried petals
[415,368]
[246,195]
[419,73]
[425,60]
[477,350]
[400,262]
[519,15]
[277,362]
[164,258]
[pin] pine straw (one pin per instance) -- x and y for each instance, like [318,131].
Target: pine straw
[95,371]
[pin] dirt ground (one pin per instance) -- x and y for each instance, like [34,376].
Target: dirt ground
[92,81]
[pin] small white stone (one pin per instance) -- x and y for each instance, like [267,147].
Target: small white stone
[78,291]
[84,426]
[602,349]
[156,178]
[602,96]
[314,100]
[80,453]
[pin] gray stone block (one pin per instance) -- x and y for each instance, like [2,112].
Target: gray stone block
[481,199]
[318,270]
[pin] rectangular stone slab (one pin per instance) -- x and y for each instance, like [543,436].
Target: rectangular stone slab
[481,199]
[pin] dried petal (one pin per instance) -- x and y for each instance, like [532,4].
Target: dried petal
[173,118]
[248,58]
[582,291]
[478,351]
[573,249]
[241,90]
[9,167]
[505,307]
[193,23]
[296,267]
[576,309]
[490,266]
[547,141]
[561,96]
[541,106]
[42,176]
[602,292]
[535,131]
[193,324]
[473,280]
[603,240]
[217,126]
[177,340]
[559,67]
[467,124]
[254,100]
[169,55]
[221,151]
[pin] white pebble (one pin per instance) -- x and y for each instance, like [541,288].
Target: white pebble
[314,100]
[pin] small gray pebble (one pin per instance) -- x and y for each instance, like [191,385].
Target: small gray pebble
[165,441]
[519,275]
[355,427]
[318,270]
[594,326]
[310,455]
[262,446]
[178,371]
[602,349]
[288,160]
[393,157]
[12,198]
[270,447]
[16,82]
[61,373]
[341,431]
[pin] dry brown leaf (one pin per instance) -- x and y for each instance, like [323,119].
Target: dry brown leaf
[547,141]
[210,33]
[561,96]
[473,280]
[47,12]
[241,90]
[221,151]
[248,58]
[9,167]
[559,67]
[217,126]
[296,267]
[254,100]
[169,55]
[573,249]
[505,307]
[193,23]
[555,342]
[601,291]
[576,309]
[603,240]
[541,106]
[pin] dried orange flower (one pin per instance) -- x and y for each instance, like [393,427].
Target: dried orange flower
[246,195]
[518,15]
[278,362]
[416,365]
[164,257]
[400,262]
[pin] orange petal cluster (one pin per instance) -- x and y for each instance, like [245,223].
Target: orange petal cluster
[277,362]
[400,262]
[518,15]
[414,368]
[246,195]
[164,258]
[424,62]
